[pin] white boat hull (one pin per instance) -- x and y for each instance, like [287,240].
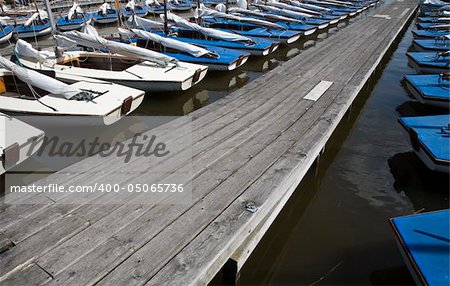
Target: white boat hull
[144,76]
[309,32]
[430,163]
[17,140]
[230,67]
[323,26]
[421,99]
[105,20]
[423,156]
[33,34]
[426,70]
[181,9]
[335,21]
[113,102]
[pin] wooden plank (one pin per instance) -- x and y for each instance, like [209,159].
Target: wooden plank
[202,213]
[5,243]
[20,255]
[295,132]
[318,90]
[139,237]
[29,275]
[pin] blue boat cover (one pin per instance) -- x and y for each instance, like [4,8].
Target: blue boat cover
[430,33]
[430,59]
[429,25]
[33,28]
[138,10]
[432,19]
[157,9]
[430,134]
[260,44]
[5,30]
[226,56]
[63,21]
[425,238]
[110,13]
[252,31]
[434,45]
[296,26]
[430,85]
[338,9]
[290,26]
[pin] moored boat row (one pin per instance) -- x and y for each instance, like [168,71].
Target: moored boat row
[86,74]
[430,87]
[423,239]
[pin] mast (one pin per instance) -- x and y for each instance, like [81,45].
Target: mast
[50,16]
[52,25]
[117,3]
[166,28]
[199,17]
[37,10]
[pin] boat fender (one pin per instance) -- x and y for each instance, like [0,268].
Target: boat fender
[126,105]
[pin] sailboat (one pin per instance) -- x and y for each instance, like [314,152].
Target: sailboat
[37,25]
[434,26]
[317,8]
[74,19]
[24,91]
[286,22]
[246,26]
[429,34]
[339,7]
[432,5]
[155,8]
[422,239]
[215,58]
[180,5]
[15,142]
[312,17]
[131,8]
[305,18]
[441,44]
[430,89]
[6,30]
[124,64]
[105,14]
[430,139]
[430,62]
[195,34]
[440,19]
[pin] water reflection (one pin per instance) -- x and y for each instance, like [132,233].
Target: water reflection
[335,228]
[415,108]
[427,190]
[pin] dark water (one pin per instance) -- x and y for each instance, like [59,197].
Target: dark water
[335,229]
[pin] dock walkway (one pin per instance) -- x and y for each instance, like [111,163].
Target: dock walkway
[254,145]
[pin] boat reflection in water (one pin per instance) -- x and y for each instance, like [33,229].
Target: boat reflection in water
[412,177]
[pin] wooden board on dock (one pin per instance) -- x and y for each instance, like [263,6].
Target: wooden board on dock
[251,148]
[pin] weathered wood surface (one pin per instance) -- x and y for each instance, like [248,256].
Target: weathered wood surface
[252,146]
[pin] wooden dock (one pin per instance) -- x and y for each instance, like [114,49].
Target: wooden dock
[251,147]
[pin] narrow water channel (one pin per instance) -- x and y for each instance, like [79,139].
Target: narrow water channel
[335,228]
